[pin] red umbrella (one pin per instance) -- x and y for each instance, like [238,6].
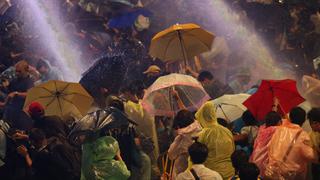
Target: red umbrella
[260,103]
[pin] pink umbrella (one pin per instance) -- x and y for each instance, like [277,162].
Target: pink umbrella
[158,99]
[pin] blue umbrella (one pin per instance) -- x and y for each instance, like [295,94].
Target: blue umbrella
[128,19]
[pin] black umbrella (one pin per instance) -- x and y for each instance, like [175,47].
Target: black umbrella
[115,68]
[109,121]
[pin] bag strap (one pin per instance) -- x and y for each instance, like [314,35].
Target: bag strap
[291,146]
[194,174]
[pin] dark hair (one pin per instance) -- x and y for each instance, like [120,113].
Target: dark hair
[117,104]
[297,116]
[42,63]
[272,118]
[223,122]
[183,119]
[314,115]
[129,89]
[198,153]
[205,75]
[37,135]
[137,87]
[238,159]
[249,171]
[248,118]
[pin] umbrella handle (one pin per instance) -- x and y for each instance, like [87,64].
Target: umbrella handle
[182,49]
[225,115]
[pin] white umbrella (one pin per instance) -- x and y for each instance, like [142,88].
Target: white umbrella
[230,107]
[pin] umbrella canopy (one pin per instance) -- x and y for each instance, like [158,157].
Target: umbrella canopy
[261,102]
[60,98]
[158,99]
[181,42]
[311,90]
[230,107]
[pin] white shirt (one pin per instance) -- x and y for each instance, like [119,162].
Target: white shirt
[202,172]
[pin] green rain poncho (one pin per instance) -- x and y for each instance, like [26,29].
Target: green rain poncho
[218,139]
[98,161]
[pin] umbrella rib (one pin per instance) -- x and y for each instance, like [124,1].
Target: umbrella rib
[48,104]
[65,87]
[59,103]
[69,94]
[189,34]
[45,89]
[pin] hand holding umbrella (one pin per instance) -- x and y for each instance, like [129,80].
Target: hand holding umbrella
[281,93]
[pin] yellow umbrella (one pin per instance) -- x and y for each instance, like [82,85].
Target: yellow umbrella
[60,98]
[181,42]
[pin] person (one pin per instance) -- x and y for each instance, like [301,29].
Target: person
[47,72]
[260,148]
[17,92]
[50,159]
[186,128]
[213,86]
[4,128]
[152,74]
[146,124]
[314,120]
[198,154]
[51,125]
[218,139]
[239,158]
[101,159]
[249,171]
[137,161]
[242,78]
[249,131]
[290,149]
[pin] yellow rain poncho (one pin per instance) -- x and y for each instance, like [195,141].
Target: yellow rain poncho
[218,139]
[146,124]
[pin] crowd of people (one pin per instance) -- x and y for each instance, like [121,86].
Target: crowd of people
[190,145]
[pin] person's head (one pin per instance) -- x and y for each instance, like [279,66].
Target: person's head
[297,116]
[205,77]
[43,67]
[273,119]
[198,153]
[152,71]
[238,159]
[314,119]
[244,76]
[249,171]
[36,110]
[248,118]
[129,92]
[206,115]
[22,69]
[37,138]
[183,119]
[139,87]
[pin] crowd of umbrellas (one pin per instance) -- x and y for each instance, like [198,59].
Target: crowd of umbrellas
[179,42]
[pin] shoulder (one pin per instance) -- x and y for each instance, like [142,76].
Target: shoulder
[211,173]
[185,176]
